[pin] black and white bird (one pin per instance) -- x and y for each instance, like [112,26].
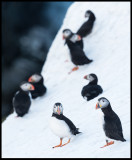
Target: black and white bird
[87,26]
[91,90]
[112,124]
[75,38]
[61,125]
[37,80]
[77,54]
[22,99]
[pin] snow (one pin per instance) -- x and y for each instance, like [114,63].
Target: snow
[109,47]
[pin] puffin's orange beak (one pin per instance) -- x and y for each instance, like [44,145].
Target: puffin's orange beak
[32,88]
[30,79]
[79,37]
[85,77]
[58,110]
[63,37]
[97,106]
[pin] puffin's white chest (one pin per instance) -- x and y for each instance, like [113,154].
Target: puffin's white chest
[102,118]
[60,128]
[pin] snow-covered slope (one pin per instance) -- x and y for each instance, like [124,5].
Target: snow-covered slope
[109,46]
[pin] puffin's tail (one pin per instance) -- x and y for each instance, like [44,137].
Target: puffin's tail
[87,61]
[123,140]
[77,131]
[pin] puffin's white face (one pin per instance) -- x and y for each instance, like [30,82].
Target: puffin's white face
[58,109]
[89,77]
[75,38]
[35,78]
[27,86]
[66,34]
[87,14]
[102,103]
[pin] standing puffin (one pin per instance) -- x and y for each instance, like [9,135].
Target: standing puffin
[75,38]
[21,100]
[112,124]
[87,26]
[91,90]
[78,56]
[61,125]
[37,80]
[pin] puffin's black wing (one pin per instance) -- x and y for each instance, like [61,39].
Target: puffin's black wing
[21,103]
[113,127]
[21,98]
[80,43]
[84,90]
[72,127]
[79,58]
[87,26]
[91,91]
[40,90]
[95,90]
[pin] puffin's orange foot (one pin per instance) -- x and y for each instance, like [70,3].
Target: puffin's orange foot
[66,143]
[74,69]
[110,143]
[59,144]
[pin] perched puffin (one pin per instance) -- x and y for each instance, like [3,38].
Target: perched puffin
[68,34]
[87,26]
[112,124]
[22,99]
[78,56]
[37,80]
[61,125]
[91,90]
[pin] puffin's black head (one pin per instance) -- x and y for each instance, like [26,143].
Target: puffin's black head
[87,13]
[102,103]
[91,77]
[35,78]
[67,33]
[26,86]
[58,109]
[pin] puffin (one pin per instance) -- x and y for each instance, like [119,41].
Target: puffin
[77,54]
[87,26]
[22,99]
[112,125]
[91,90]
[61,126]
[37,80]
[75,38]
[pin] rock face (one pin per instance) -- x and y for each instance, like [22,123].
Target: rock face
[26,37]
